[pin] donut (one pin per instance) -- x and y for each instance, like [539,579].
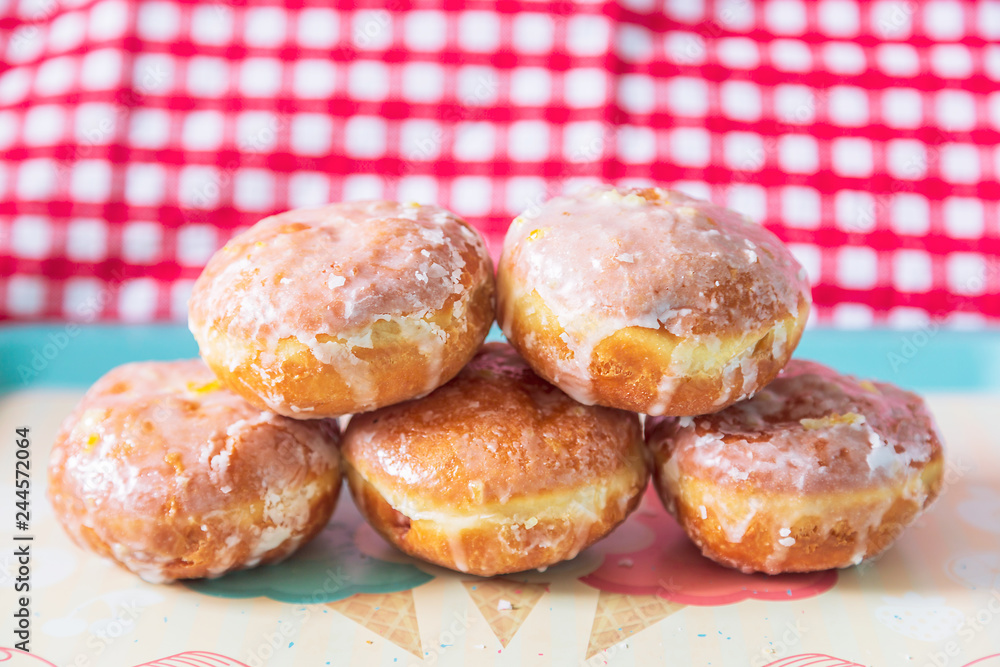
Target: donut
[649,300]
[165,471]
[817,471]
[324,312]
[495,472]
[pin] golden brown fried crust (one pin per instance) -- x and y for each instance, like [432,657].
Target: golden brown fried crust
[830,530]
[818,470]
[497,427]
[496,471]
[343,309]
[649,300]
[628,367]
[176,542]
[396,364]
[167,472]
[490,546]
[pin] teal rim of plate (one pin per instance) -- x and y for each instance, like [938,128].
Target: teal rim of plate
[928,359]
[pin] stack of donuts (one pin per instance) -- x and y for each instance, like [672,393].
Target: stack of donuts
[496,458]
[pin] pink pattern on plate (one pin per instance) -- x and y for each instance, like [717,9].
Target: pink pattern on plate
[12,657]
[671,567]
[821,660]
[195,659]
[812,660]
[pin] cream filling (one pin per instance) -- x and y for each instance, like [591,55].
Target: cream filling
[588,503]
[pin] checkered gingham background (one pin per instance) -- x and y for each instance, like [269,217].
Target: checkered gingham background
[136,137]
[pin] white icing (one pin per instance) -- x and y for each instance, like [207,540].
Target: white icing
[414,268]
[809,434]
[157,430]
[640,245]
[735,526]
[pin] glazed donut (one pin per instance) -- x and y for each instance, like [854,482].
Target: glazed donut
[817,471]
[167,472]
[495,472]
[649,300]
[342,309]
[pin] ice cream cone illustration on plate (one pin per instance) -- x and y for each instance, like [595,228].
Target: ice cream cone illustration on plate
[662,571]
[504,604]
[389,615]
[619,616]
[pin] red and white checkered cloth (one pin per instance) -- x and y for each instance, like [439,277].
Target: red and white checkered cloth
[136,137]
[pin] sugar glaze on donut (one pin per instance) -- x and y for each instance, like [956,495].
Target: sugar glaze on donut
[649,300]
[818,470]
[495,472]
[162,469]
[345,308]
